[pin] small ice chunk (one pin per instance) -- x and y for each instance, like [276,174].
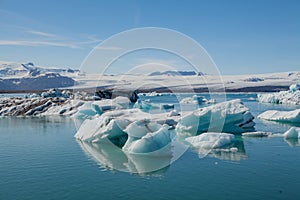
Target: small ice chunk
[281,116]
[173,113]
[166,106]
[211,140]
[105,105]
[257,134]
[211,101]
[188,100]
[292,133]
[146,106]
[294,87]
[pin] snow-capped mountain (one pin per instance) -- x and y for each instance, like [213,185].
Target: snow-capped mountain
[19,76]
[18,70]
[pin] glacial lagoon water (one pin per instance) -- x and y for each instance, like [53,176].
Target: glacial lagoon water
[40,159]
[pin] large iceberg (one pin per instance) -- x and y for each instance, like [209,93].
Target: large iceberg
[231,116]
[281,116]
[292,96]
[132,129]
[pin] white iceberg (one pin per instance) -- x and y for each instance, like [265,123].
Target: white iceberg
[117,125]
[173,113]
[211,140]
[146,105]
[222,146]
[257,134]
[281,116]
[292,96]
[294,87]
[147,137]
[197,100]
[102,128]
[292,133]
[231,116]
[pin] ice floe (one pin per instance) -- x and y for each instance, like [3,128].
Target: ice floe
[195,99]
[257,134]
[281,116]
[222,146]
[211,140]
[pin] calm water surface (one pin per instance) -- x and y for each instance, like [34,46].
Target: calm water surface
[40,159]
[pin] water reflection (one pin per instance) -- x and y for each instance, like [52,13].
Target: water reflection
[283,124]
[293,141]
[111,157]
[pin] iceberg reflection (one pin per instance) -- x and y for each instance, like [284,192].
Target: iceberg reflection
[111,157]
[292,141]
[234,152]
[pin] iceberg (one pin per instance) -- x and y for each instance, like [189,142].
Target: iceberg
[166,106]
[147,137]
[146,105]
[230,116]
[197,100]
[292,96]
[117,125]
[173,113]
[211,140]
[294,87]
[292,133]
[257,134]
[292,136]
[103,128]
[281,116]
[223,146]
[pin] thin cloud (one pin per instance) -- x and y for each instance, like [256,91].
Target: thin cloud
[44,39]
[40,33]
[36,43]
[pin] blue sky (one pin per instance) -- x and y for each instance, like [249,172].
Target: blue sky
[242,37]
